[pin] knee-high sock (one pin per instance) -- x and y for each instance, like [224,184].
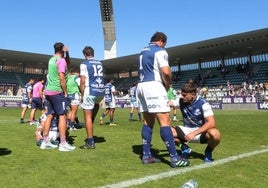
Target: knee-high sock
[146,134]
[167,137]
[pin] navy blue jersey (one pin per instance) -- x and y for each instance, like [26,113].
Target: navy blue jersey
[133,94]
[151,59]
[194,114]
[108,94]
[93,70]
[28,88]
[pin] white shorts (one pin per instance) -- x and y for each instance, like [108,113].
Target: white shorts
[53,135]
[26,105]
[134,104]
[76,100]
[188,130]
[89,101]
[153,97]
[175,102]
[110,104]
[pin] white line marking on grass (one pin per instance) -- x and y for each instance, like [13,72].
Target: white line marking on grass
[178,171]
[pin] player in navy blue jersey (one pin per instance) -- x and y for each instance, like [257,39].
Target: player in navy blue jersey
[92,92]
[26,98]
[109,99]
[134,101]
[199,122]
[154,81]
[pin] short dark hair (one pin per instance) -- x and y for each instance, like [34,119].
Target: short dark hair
[189,88]
[159,36]
[135,83]
[88,51]
[58,47]
[74,69]
[41,78]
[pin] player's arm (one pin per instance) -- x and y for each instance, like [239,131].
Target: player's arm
[63,83]
[166,76]
[40,90]
[209,124]
[61,65]
[67,56]
[115,92]
[82,85]
[29,94]
[77,81]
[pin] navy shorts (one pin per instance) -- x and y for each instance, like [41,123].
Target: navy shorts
[37,103]
[57,104]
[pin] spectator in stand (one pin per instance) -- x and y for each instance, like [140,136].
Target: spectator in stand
[9,92]
[37,99]
[26,98]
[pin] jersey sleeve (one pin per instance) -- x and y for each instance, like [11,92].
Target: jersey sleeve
[61,65]
[77,80]
[29,89]
[112,89]
[174,92]
[162,58]
[207,110]
[83,69]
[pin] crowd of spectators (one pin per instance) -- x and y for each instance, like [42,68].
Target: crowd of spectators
[258,90]
[6,91]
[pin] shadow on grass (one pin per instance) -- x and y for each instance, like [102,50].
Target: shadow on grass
[193,155]
[137,149]
[4,151]
[71,139]
[196,155]
[97,139]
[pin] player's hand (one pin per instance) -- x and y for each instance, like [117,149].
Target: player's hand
[189,137]
[65,49]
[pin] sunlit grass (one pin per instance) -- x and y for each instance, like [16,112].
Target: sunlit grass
[116,157]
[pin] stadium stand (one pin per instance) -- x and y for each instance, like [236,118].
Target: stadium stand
[205,57]
[210,77]
[213,77]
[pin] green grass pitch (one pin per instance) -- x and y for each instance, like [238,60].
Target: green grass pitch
[116,157]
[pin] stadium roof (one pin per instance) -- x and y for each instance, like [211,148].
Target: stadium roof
[238,45]
[11,57]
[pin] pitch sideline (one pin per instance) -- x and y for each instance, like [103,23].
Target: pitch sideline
[178,171]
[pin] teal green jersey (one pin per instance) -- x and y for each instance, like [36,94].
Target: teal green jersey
[171,93]
[55,65]
[72,84]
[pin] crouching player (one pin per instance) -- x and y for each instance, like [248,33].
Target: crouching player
[199,123]
[53,132]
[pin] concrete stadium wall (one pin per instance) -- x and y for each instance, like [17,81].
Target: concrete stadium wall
[251,106]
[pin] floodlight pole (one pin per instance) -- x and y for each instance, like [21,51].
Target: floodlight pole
[108,29]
